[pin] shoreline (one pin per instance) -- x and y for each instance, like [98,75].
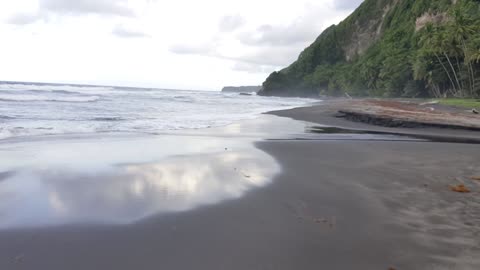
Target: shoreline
[329,113]
[423,206]
[335,204]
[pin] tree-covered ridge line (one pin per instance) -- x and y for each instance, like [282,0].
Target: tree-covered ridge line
[391,48]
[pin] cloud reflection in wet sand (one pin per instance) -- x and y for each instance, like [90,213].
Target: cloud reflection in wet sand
[129,192]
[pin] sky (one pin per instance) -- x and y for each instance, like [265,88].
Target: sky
[175,44]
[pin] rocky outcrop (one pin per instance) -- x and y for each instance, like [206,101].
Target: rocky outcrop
[428,17]
[365,35]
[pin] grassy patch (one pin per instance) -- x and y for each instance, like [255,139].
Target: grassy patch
[465,103]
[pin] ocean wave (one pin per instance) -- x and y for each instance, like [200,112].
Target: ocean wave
[57,111]
[65,92]
[30,98]
[108,119]
[56,88]
[184,98]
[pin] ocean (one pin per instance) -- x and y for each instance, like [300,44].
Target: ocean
[122,174]
[38,109]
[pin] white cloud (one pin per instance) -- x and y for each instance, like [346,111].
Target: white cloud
[252,68]
[24,18]
[45,8]
[231,23]
[269,46]
[122,31]
[199,49]
[114,7]
[271,56]
[347,4]
[211,42]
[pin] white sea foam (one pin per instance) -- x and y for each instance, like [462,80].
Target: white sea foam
[31,98]
[30,109]
[53,88]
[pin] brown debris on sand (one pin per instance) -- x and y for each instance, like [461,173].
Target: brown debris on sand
[460,188]
[397,113]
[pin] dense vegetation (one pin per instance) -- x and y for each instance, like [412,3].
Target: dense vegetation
[411,48]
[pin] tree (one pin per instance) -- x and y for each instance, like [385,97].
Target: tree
[430,43]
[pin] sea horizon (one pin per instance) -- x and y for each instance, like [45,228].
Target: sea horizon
[103,85]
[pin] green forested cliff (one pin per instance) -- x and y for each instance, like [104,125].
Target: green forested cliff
[391,48]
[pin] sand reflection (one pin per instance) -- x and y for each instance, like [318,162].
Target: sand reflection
[129,192]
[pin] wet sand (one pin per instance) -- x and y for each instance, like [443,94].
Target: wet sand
[360,202]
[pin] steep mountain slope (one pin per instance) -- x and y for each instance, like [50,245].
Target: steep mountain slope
[391,48]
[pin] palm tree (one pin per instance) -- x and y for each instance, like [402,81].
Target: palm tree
[447,48]
[461,28]
[430,43]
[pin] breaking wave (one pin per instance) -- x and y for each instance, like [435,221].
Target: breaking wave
[29,109]
[66,89]
[108,119]
[32,98]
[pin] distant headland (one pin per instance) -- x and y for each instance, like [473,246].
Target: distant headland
[241,89]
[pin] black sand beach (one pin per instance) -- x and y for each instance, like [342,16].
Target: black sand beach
[361,202]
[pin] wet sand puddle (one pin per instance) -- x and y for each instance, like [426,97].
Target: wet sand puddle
[122,179]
